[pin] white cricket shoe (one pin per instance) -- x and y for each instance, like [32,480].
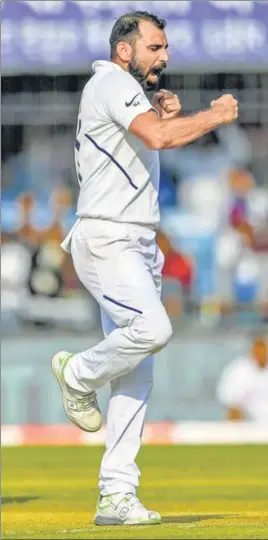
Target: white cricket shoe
[82,409]
[124,509]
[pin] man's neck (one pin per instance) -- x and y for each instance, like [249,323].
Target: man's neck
[118,62]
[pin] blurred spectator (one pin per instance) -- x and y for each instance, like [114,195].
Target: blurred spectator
[243,386]
[176,264]
[211,159]
[218,151]
[177,277]
[246,278]
[167,189]
[228,249]
[257,212]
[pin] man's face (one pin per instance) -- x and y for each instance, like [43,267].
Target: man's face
[150,55]
[260,352]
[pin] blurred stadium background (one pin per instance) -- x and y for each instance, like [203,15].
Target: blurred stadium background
[214,208]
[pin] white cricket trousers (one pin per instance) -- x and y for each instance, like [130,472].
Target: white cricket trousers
[120,265]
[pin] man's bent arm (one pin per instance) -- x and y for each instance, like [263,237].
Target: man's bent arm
[160,134]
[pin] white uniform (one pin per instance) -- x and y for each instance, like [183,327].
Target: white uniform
[244,385]
[116,258]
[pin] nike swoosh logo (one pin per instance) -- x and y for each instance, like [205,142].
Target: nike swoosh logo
[127,104]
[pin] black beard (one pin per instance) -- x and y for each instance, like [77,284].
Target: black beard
[142,79]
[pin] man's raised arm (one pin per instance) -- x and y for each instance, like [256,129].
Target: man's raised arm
[159,134]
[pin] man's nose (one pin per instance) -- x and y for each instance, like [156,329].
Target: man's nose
[164,56]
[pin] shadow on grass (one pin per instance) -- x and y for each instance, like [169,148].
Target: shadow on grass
[191,518]
[18,500]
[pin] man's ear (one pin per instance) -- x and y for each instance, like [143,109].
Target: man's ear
[124,51]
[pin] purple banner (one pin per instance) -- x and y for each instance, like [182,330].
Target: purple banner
[68,36]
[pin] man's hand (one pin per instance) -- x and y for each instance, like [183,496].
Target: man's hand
[227,107]
[167,104]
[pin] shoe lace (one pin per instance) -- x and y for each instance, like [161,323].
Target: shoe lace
[89,401]
[134,501]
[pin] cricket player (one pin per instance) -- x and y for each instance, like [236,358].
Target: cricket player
[243,385]
[113,248]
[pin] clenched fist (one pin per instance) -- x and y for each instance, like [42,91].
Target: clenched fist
[227,107]
[167,104]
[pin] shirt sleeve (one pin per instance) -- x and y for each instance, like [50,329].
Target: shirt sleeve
[122,98]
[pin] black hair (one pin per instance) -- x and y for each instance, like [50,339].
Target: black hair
[126,28]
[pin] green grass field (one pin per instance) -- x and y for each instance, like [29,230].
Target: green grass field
[201,491]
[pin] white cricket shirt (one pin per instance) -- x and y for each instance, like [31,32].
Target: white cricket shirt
[244,385]
[118,175]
